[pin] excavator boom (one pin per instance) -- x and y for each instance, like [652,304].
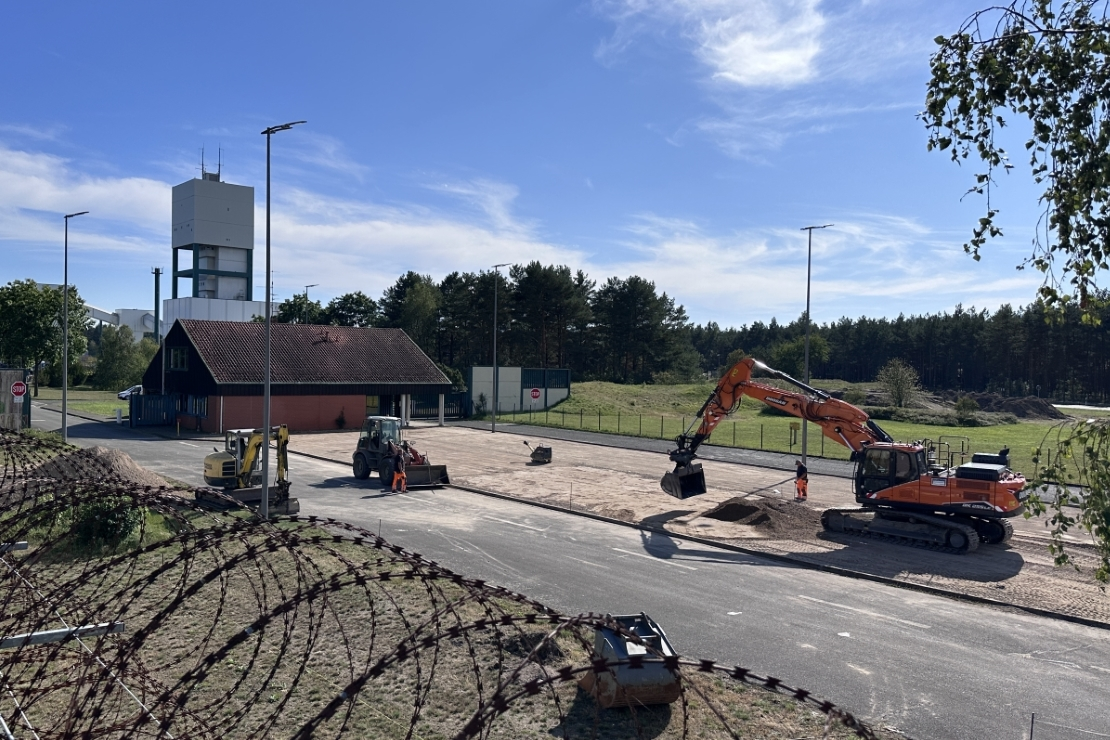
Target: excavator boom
[839,421]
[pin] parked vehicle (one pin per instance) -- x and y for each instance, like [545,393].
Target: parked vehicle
[135,390]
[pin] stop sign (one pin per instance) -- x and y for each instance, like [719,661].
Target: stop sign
[535,393]
[19,389]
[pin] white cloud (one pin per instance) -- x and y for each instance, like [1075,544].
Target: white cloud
[868,264]
[752,43]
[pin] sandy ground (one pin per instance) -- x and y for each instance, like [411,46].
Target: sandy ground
[624,484]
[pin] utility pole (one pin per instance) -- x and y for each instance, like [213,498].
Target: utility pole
[809,269]
[264,505]
[157,272]
[306,300]
[496,280]
[65,330]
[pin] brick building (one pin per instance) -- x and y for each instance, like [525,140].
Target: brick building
[322,377]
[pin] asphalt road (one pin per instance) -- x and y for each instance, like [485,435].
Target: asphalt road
[928,666]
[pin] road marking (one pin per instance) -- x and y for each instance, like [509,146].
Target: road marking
[653,558]
[864,671]
[515,524]
[1097,668]
[843,634]
[187,443]
[587,562]
[733,614]
[864,611]
[806,645]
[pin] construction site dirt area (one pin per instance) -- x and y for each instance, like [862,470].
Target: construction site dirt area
[747,506]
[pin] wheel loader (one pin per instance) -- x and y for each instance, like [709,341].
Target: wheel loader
[236,471]
[372,455]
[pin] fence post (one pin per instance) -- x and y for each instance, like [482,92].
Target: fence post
[660,426]
[734,434]
[599,419]
[579,418]
[618,421]
[761,436]
[641,426]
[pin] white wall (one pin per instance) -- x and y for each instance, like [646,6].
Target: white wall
[212,309]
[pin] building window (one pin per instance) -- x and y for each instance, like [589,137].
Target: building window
[179,358]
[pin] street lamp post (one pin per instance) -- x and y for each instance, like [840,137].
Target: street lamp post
[809,268]
[496,280]
[65,329]
[306,300]
[264,506]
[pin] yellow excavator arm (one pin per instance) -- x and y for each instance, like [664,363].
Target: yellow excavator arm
[280,435]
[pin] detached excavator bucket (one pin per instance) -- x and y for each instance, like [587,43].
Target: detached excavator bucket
[685,481]
[426,475]
[651,682]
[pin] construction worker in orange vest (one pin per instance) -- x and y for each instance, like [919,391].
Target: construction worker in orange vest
[801,482]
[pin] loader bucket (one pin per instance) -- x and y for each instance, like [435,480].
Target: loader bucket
[623,685]
[418,476]
[685,481]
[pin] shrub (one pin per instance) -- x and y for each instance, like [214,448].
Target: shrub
[965,411]
[900,381]
[855,396]
[107,522]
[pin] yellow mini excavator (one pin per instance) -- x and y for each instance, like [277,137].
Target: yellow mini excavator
[236,471]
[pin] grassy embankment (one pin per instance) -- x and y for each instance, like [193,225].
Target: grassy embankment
[662,411]
[85,400]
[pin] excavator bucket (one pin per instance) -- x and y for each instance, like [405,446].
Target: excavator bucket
[426,475]
[684,481]
[622,685]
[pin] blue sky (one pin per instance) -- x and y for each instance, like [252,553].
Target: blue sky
[685,141]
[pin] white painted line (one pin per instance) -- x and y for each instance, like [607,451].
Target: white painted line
[1097,668]
[864,671]
[733,614]
[187,443]
[864,611]
[515,524]
[653,558]
[587,562]
[843,634]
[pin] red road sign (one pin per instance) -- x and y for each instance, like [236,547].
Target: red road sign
[19,389]
[535,393]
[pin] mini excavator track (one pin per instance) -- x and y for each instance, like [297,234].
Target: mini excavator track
[927,531]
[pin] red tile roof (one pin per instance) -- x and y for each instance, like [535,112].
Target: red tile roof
[234,352]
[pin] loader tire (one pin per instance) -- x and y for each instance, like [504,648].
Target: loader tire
[385,472]
[361,468]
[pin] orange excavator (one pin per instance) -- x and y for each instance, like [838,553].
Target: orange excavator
[903,496]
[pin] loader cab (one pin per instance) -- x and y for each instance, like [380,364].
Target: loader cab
[880,468]
[378,431]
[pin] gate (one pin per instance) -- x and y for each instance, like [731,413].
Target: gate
[153,410]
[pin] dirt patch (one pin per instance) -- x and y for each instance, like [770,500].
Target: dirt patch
[99,463]
[1027,407]
[780,518]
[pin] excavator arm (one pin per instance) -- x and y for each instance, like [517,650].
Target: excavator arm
[839,421]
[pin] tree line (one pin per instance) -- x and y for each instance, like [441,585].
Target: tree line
[625,330]
[31,320]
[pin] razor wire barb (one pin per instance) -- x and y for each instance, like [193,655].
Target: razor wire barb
[300,627]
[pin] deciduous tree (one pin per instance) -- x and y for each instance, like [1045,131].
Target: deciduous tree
[1046,63]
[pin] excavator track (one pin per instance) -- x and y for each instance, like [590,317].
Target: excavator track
[929,532]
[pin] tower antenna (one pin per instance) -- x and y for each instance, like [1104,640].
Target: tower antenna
[219,161]
[202,163]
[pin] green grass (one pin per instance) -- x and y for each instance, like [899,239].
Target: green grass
[664,411]
[97,403]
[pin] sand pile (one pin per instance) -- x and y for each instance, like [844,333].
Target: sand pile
[97,463]
[777,518]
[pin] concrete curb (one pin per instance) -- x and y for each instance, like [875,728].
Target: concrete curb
[786,559]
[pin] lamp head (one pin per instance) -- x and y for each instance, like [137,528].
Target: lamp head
[282,127]
[71,215]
